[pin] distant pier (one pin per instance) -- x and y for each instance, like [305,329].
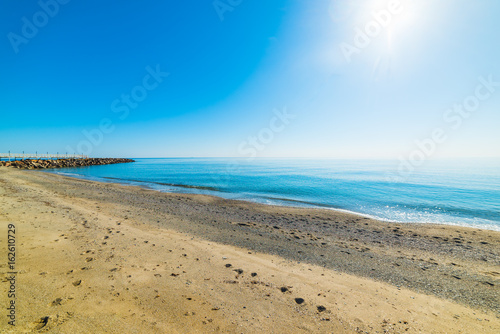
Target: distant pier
[66,162]
[36,156]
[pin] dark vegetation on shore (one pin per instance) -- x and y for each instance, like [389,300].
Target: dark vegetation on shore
[62,163]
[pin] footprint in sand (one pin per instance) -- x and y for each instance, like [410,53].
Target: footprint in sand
[48,322]
[41,323]
[56,302]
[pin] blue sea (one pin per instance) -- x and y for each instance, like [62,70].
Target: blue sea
[458,192]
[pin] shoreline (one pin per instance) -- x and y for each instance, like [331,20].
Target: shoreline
[165,255]
[307,205]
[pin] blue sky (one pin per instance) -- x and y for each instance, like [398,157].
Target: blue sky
[234,65]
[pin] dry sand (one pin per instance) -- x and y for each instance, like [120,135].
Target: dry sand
[105,258]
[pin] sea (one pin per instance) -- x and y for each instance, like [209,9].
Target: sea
[463,192]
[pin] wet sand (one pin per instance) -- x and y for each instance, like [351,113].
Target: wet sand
[96,257]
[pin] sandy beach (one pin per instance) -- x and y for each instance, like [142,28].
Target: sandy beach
[105,258]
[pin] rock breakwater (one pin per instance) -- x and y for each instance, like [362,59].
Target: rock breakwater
[62,163]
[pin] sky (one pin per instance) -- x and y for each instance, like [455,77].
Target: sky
[347,79]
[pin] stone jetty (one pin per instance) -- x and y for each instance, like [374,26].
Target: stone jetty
[62,163]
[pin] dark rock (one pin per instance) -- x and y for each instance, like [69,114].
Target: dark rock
[321,308]
[61,163]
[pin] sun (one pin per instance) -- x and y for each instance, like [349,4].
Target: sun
[394,18]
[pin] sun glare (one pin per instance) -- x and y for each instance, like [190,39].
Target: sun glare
[397,17]
[376,30]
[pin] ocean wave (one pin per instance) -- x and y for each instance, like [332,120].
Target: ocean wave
[186,186]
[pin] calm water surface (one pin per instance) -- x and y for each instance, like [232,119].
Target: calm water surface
[461,192]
